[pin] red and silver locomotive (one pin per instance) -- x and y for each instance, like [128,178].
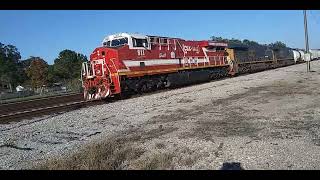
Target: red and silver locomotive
[139,63]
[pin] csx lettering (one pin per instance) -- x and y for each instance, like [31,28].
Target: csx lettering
[162,55]
[190,48]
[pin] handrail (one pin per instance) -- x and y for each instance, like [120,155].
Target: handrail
[81,76]
[109,72]
[184,54]
[116,69]
[206,55]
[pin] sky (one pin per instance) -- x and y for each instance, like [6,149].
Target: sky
[46,33]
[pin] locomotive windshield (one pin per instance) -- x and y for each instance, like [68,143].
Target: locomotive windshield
[116,42]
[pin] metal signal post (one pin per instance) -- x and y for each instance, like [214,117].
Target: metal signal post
[306,39]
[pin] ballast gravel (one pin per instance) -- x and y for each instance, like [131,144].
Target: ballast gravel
[265,120]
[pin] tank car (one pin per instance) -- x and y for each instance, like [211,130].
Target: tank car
[302,54]
[315,54]
[296,55]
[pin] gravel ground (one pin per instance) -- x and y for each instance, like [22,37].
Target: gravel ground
[266,120]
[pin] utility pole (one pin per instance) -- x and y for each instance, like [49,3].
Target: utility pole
[306,38]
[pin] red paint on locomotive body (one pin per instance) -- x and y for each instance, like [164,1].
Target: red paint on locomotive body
[132,55]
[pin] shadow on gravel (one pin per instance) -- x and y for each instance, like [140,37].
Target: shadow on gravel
[231,166]
[16,147]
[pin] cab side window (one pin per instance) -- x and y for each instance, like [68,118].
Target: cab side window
[154,40]
[139,42]
[163,41]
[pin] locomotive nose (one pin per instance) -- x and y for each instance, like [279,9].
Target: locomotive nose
[96,85]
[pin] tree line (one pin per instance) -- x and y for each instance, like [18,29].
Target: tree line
[35,71]
[256,49]
[248,43]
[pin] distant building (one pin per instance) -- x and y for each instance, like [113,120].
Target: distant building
[19,88]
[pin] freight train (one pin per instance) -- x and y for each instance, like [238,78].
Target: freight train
[135,63]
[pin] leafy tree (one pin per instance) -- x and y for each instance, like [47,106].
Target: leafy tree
[280,49]
[237,41]
[257,50]
[278,45]
[24,64]
[245,41]
[12,53]
[250,43]
[9,59]
[231,41]
[22,71]
[214,38]
[52,77]
[68,65]
[37,72]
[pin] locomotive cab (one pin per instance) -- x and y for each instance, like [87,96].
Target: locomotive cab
[100,76]
[107,54]
[134,41]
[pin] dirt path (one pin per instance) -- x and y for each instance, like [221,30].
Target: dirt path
[267,120]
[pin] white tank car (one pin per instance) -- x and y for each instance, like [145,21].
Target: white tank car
[302,55]
[315,54]
[318,53]
[296,55]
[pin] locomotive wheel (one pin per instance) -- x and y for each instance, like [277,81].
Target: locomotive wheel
[143,88]
[85,95]
[167,84]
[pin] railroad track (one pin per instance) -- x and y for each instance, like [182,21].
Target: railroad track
[28,109]
[38,98]
[35,112]
[25,109]
[13,107]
